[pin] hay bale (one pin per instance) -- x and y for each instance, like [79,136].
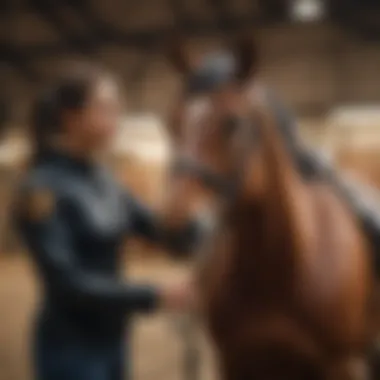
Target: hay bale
[354,137]
[140,156]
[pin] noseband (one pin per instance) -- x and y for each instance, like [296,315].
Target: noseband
[227,187]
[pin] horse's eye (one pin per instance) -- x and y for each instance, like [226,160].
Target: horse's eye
[230,124]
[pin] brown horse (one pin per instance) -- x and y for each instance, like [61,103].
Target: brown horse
[285,280]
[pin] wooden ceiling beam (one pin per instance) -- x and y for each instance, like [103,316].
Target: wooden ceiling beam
[17,60]
[50,12]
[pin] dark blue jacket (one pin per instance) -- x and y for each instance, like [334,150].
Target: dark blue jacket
[74,217]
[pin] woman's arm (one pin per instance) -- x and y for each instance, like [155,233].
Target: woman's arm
[146,224]
[50,240]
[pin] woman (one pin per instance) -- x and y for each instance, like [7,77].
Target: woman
[74,217]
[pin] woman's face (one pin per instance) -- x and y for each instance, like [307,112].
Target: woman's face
[97,123]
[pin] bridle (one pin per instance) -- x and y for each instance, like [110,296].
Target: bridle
[228,187]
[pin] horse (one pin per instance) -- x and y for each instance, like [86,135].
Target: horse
[284,277]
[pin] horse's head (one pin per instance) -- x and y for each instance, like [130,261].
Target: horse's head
[215,128]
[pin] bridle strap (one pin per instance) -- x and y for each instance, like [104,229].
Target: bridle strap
[227,187]
[210,179]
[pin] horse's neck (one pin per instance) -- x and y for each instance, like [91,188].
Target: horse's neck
[247,230]
[258,233]
[261,264]
[286,190]
[275,232]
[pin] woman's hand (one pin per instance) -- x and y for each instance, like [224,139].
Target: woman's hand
[178,298]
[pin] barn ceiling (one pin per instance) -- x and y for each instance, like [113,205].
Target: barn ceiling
[37,29]
[32,30]
[362,17]
[36,36]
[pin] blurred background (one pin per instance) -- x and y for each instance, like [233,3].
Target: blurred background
[321,56]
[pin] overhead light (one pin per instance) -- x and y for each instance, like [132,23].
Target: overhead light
[307,10]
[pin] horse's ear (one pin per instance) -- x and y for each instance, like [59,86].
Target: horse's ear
[178,56]
[245,49]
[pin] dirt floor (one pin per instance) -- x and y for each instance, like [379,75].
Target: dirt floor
[158,347]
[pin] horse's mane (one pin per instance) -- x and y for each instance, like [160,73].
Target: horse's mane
[282,181]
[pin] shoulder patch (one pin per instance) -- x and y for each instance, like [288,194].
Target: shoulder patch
[38,204]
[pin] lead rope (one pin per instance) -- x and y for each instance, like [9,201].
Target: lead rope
[188,325]
[191,350]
